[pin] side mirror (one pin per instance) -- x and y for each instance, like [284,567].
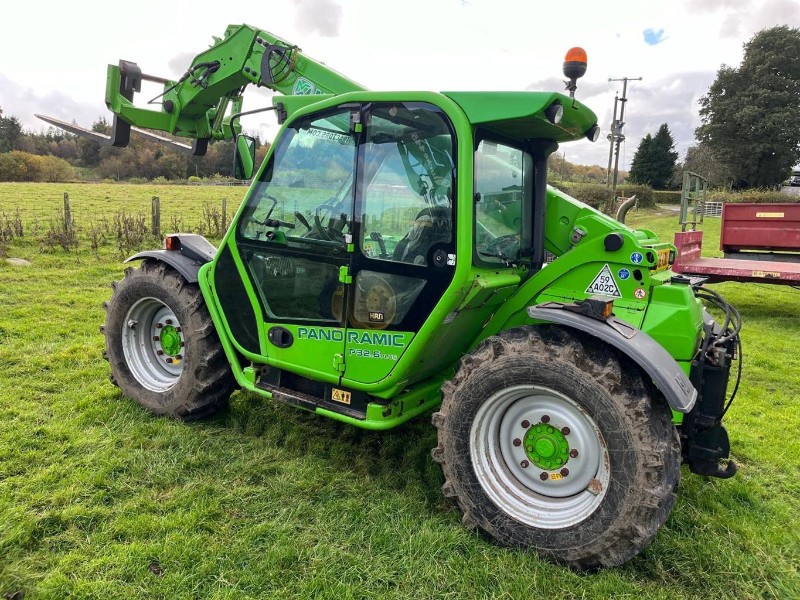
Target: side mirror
[244,157]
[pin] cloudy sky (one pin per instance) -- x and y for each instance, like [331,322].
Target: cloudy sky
[53,54]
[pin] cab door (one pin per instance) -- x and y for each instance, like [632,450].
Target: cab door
[294,239]
[404,257]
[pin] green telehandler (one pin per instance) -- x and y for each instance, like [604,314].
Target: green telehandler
[399,252]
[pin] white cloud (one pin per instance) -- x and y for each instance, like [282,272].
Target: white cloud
[318,16]
[417,44]
[23,102]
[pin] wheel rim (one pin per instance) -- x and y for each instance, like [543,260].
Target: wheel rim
[153,344]
[539,456]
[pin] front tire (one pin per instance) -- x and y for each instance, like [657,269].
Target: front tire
[549,440]
[162,346]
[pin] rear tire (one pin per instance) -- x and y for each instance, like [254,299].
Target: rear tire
[549,440]
[162,346]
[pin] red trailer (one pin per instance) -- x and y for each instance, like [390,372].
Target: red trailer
[761,231]
[761,243]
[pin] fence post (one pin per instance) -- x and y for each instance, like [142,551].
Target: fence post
[155,226]
[67,215]
[224,215]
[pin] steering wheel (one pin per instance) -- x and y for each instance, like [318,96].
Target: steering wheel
[499,245]
[326,210]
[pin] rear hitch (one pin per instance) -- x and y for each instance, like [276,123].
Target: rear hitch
[703,437]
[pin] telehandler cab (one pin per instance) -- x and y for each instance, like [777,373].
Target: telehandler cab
[401,251]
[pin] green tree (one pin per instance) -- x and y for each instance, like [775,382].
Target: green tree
[89,149]
[23,166]
[654,160]
[10,132]
[640,164]
[750,114]
[699,159]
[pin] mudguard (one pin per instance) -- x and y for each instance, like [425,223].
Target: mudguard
[635,344]
[194,252]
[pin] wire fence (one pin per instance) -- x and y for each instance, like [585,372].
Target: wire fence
[90,218]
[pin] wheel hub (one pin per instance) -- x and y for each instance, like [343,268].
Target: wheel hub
[546,447]
[170,340]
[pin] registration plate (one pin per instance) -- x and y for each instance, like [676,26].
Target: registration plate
[663,260]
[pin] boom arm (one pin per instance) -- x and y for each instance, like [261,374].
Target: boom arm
[201,103]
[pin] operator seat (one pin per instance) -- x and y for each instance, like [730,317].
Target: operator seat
[432,225]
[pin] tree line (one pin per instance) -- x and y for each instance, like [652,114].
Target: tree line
[55,155]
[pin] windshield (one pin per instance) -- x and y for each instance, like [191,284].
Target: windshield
[304,197]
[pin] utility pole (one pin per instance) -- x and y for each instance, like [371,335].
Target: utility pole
[611,138]
[616,136]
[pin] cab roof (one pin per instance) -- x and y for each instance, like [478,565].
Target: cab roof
[521,115]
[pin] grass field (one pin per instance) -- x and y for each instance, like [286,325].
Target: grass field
[100,500]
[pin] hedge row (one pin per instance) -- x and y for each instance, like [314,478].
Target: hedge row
[598,195]
[755,196]
[667,197]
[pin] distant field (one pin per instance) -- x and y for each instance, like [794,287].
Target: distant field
[98,499]
[104,213]
[94,201]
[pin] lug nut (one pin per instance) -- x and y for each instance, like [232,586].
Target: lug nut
[517,442]
[179,357]
[545,418]
[573,453]
[182,344]
[524,464]
[565,430]
[159,325]
[156,338]
[169,321]
[160,352]
[526,423]
[564,472]
[178,329]
[544,476]
[169,361]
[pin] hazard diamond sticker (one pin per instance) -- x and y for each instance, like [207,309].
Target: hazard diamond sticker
[604,284]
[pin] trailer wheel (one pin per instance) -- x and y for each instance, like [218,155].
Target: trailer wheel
[162,346]
[550,441]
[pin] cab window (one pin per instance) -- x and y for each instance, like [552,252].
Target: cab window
[407,198]
[501,178]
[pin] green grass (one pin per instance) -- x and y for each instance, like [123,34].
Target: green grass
[93,201]
[100,500]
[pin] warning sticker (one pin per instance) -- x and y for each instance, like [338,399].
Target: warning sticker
[604,284]
[340,396]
